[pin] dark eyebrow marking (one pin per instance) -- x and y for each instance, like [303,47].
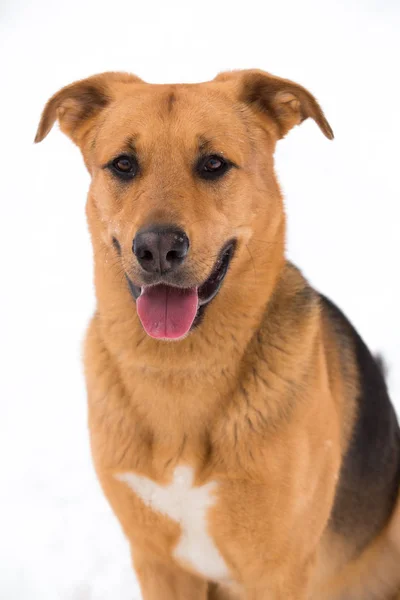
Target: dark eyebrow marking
[205,145]
[130,144]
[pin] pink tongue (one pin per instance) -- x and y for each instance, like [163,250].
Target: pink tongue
[167,312]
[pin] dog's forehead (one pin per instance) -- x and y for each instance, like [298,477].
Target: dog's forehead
[182,114]
[169,99]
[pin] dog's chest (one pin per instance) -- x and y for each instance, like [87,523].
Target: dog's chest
[188,505]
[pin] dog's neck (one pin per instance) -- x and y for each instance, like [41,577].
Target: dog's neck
[191,375]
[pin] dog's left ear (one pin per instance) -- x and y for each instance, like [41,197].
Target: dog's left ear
[284,101]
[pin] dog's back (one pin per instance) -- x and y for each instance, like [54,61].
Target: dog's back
[370,473]
[369,483]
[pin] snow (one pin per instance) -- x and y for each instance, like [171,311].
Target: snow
[58,537]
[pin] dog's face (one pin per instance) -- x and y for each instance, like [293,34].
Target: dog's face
[182,181]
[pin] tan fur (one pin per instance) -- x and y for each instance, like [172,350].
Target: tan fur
[253,398]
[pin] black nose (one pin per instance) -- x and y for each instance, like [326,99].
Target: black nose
[160,249]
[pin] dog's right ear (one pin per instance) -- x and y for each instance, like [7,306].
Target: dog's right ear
[77,105]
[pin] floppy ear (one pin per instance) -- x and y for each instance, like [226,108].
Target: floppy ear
[286,102]
[77,105]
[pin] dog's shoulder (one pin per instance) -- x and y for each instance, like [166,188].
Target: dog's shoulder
[293,294]
[370,475]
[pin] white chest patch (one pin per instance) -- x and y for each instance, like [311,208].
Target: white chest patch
[188,506]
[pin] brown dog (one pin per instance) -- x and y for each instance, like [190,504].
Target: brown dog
[256,456]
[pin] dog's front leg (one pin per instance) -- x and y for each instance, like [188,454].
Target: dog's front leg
[165,581]
[268,593]
[291,582]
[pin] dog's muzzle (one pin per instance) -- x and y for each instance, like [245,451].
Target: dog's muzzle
[168,311]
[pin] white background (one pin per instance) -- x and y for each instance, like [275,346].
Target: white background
[58,538]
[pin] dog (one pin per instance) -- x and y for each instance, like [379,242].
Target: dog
[240,428]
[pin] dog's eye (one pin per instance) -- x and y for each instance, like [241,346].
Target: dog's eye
[124,166]
[212,167]
[213,164]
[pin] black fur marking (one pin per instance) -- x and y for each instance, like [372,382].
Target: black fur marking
[130,145]
[91,99]
[171,101]
[116,245]
[370,474]
[380,361]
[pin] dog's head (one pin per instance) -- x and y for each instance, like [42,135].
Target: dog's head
[183,190]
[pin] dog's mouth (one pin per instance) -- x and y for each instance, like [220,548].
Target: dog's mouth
[169,312]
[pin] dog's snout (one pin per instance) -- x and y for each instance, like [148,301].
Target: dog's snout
[160,249]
